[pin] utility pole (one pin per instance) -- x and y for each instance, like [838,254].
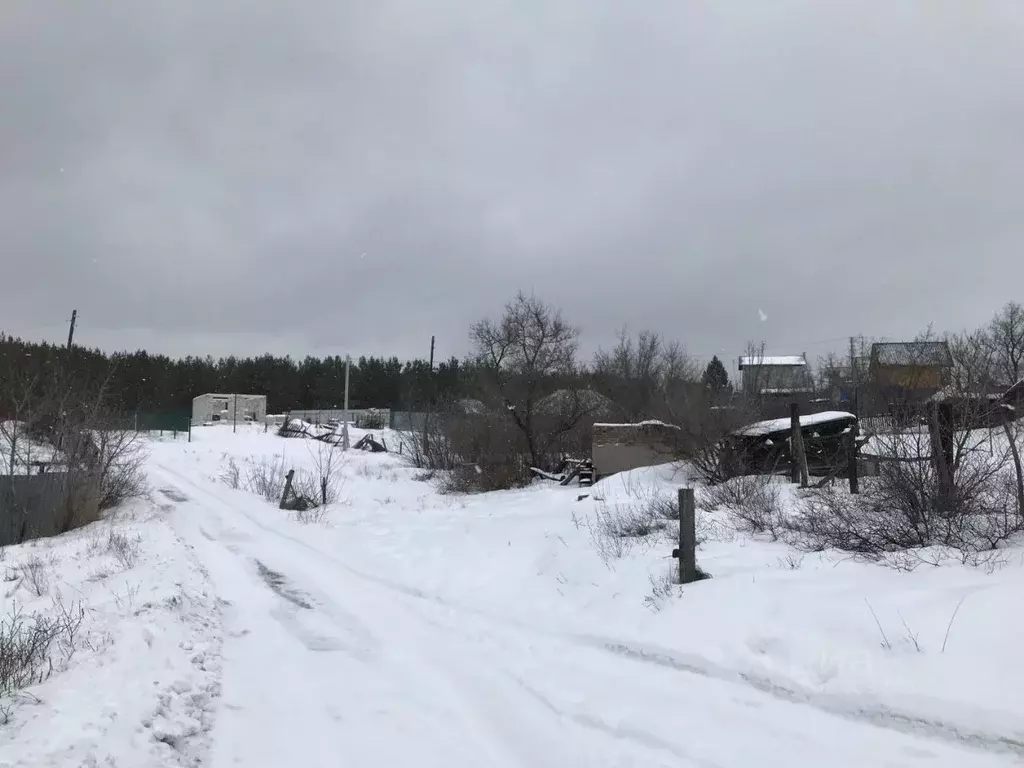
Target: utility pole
[71,333]
[430,402]
[344,428]
[854,377]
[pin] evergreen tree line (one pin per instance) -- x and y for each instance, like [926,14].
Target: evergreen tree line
[151,383]
[140,381]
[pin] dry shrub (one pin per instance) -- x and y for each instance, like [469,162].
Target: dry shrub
[486,476]
[122,457]
[753,502]
[125,550]
[231,476]
[630,521]
[105,470]
[325,484]
[312,515]
[893,515]
[265,477]
[648,514]
[28,643]
[36,573]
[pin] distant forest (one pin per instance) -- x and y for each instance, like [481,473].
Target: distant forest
[140,381]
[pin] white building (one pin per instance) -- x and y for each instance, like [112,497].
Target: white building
[211,408]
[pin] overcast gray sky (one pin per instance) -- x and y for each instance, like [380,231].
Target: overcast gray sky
[240,176]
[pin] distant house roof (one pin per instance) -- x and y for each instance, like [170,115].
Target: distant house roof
[779,360]
[922,353]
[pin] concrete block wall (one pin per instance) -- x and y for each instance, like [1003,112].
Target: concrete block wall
[620,447]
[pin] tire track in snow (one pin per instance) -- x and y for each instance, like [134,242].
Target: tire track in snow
[840,706]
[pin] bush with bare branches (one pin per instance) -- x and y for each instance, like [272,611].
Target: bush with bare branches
[753,502]
[265,477]
[326,478]
[36,574]
[910,506]
[29,645]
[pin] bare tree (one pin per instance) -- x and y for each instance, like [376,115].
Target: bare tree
[524,357]
[97,464]
[1006,336]
[642,373]
[975,361]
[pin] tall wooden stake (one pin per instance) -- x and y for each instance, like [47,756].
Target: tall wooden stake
[687,536]
[940,452]
[799,455]
[794,442]
[234,417]
[1015,452]
[851,460]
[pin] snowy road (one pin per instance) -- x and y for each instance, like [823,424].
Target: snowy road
[325,665]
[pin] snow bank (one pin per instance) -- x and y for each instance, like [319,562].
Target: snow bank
[141,685]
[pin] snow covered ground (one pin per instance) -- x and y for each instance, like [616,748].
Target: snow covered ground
[502,629]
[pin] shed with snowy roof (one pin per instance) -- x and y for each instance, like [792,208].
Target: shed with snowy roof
[775,375]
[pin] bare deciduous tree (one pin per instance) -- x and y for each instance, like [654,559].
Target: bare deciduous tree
[526,355]
[1006,336]
[642,374]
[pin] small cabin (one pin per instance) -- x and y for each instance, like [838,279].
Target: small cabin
[775,375]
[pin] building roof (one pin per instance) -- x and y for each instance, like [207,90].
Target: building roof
[225,394]
[774,360]
[761,428]
[926,353]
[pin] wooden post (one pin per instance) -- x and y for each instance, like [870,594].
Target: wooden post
[939,452]
[1015,452]
[794,442]
[851,460]
[687,536]
[287,488]
[190,429]
[323,491]
[805,476]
